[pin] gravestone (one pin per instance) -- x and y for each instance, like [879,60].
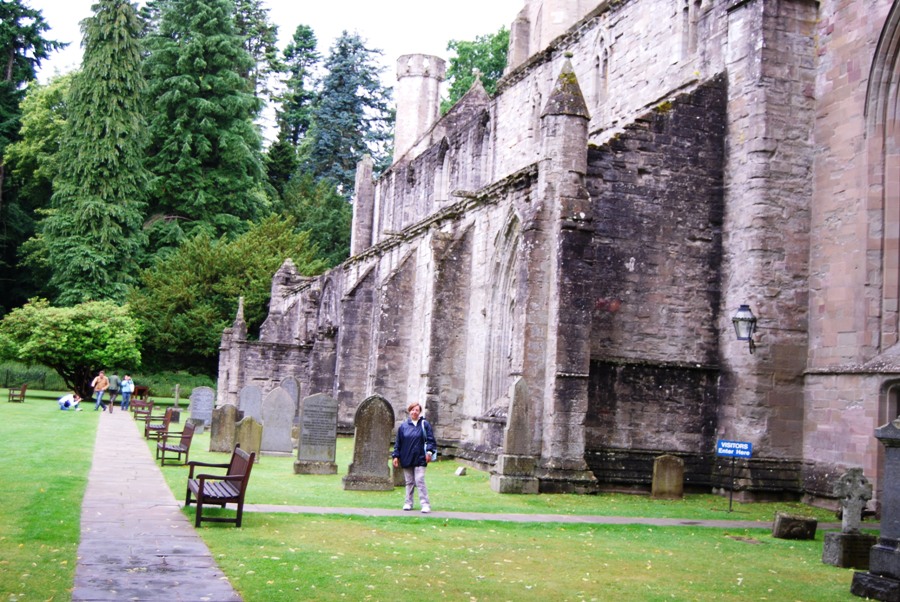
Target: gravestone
[203,400]
[177,395]
[292,386]
[849,548]
[199,425]
[793,526]
[277,419]
[514,469]
[373,427]
[882,581]
[668,478]
[223,432]
[250,402]
[248,434]
[317,444]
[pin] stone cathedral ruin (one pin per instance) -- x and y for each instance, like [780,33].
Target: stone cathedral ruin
[552,272]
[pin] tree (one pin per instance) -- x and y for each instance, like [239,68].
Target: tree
[188,297]
[260,40]
[31,167]
[22,48]
[487,55]
[93,236]
[75,341]
[351,117]
[205,152]
[324,214]
[281,163]
[300,61]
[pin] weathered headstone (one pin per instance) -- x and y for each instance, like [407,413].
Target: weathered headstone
[514,470]
[199,425]
[177,395]
[317,444]
[250,402]
[793,526]
[850,548]
[373,426]
[248,433]
[277,419]
[224,428]
[292,386]
[882,581]
[668,478]
[203,400]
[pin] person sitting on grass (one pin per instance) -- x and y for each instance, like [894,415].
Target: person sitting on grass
[70,402]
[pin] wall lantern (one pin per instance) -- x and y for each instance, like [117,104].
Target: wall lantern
[745,325]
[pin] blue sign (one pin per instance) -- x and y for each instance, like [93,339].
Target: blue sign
[734,449]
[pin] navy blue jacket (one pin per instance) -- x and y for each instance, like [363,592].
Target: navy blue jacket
[412,443]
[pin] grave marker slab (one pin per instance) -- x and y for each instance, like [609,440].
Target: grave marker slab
[223,434]
[277,419]
[373,427]
[250,402]
[249,435]
[318,436]
[203,400]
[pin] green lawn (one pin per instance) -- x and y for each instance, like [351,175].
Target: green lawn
[278,556]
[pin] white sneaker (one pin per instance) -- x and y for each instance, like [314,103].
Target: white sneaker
[426,508]
[407,506]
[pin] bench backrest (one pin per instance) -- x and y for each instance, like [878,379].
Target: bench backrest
[142,392]
[241,464]
[187,434]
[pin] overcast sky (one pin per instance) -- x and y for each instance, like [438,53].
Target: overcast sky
[396,27]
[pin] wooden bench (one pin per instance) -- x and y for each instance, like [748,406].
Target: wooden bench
[141,409]
[218,490]
[181,448]
[141,393]
[18,394]
[155,426]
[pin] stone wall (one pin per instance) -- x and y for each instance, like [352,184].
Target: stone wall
[646,167]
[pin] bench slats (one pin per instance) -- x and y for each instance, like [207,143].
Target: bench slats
[220,490]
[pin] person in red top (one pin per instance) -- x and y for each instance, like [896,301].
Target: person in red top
[414,448]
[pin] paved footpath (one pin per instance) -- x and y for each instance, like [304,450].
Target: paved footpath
[137,544]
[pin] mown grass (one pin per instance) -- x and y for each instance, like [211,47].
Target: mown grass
[46,458]
[284,556]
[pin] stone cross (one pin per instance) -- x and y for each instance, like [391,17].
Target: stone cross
[853,490]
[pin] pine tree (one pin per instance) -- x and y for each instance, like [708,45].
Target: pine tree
[300,61]
[205,153]
[351,117]
[260,40]
[94,238]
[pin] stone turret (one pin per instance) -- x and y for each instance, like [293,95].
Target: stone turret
[419,78]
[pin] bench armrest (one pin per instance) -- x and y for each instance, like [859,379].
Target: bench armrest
[195,463]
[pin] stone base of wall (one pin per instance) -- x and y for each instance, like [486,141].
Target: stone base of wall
[760,479]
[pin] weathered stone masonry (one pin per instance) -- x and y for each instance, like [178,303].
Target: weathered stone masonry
[580,242]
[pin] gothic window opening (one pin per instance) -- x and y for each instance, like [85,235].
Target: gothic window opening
[503,353]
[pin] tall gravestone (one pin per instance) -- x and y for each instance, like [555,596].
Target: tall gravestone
[849,548]
[250,402]
[277,420]
[317,446]
[223,434]
[248,433]
[882,581]
[203,400]
[514,469]
[292,386]
[373,425]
